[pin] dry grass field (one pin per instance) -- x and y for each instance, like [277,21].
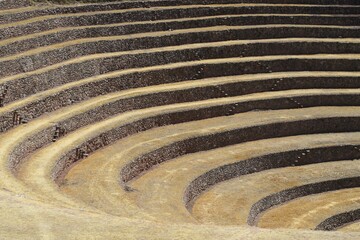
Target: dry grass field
[187,119]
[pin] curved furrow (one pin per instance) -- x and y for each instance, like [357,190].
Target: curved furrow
[49,10]
[39,171]
[88,134]
[92,185]
[17,5]
[226,172]
[230,202]
[88,8]
[160,191]
[204,109]
[339,220]
[284,159]
[212,26]
[27,138]
[202,143]
[293,193]
[308,211]
[48,13]
[14,15]
[347,17]
[70,155]
[115,80]
[144,39]
[100,63]
[161,42]
[104,106]
[46,38]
